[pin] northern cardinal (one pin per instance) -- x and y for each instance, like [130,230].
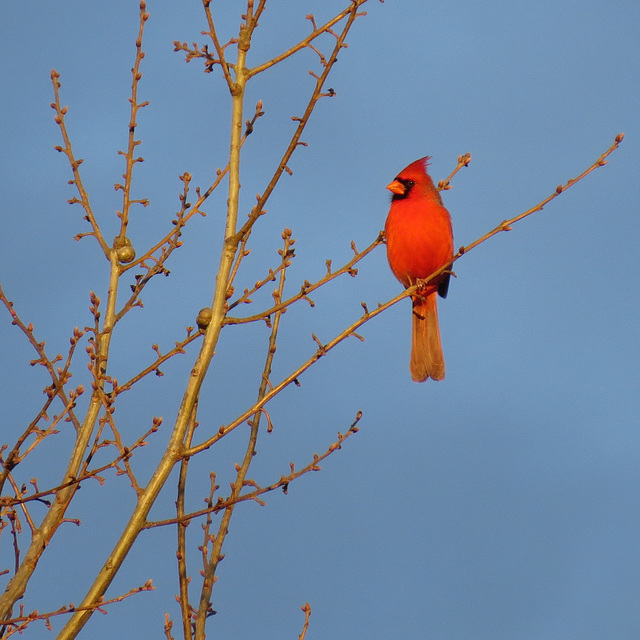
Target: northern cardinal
[419,242]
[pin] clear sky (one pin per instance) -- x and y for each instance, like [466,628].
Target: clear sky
[500,503]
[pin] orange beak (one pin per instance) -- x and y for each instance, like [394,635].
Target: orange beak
[396,187]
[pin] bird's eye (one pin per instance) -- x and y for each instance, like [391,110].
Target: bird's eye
[407,186]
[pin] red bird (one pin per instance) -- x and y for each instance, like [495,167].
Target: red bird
[419,242]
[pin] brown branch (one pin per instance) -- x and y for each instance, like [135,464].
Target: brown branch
[161,359]
[463,161]
[21,622]
[209,538]
[132,143]
[16,458]
[241,253]
[75,165]
[25,510]
[285,262]
[124,452]
[506,224]
[283,483]
[307,614]
[222,61]
[168,626]
[257,13]
[15,529]
[10,463]
[309,287]
[310,38]
[186,609]
[58,378]
[87,474]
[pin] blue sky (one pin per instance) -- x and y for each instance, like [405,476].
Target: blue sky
[500,503]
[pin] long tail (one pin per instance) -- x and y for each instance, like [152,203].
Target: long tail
[427,359]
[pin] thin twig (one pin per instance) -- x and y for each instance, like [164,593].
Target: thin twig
[57,379]
[307,614]
[463,161]
[222,61]
[271,276]
[185,607]
[506,224]
[309,287]
[283,483]
[20,623]
[306,41]
[132,143]
[75,167]
[161,359]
